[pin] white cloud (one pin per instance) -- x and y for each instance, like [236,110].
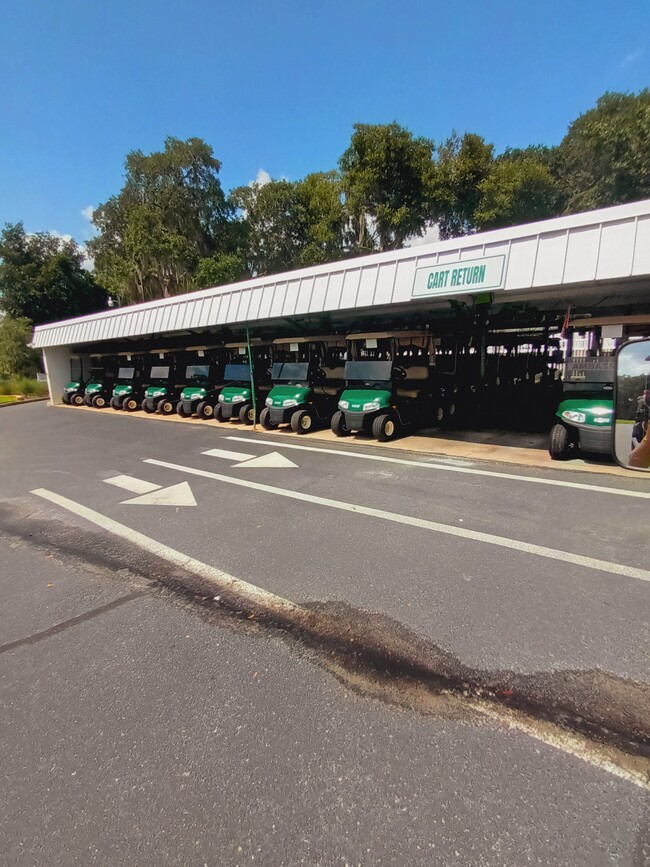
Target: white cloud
[431,235]
[631,58]
[87,213]
[263,178]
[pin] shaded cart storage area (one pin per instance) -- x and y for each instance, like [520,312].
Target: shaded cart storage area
[495,345]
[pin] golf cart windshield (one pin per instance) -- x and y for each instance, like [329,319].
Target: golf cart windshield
[197,372]
[237,373]
[291,371]
[160,372]
[126,373]
[373,374]
[589,390]
[96,374]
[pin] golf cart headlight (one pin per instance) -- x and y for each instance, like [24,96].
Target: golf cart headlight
[344,404]
[237,398]
[290,401]
[370,406]
[577,417]
[221,398]
[269,401]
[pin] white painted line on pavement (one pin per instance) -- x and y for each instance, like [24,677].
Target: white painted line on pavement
[230,456]
[274,459]
[129,483]
[411,521]
[565,743]
[221,578]
[450,469]
[174,495]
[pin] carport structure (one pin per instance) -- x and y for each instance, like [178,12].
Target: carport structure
[494,292]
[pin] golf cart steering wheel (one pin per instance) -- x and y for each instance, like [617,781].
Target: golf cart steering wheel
[399,373]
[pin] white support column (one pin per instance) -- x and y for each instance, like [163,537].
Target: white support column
[56,360]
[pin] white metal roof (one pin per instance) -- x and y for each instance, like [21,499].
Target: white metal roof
[605,245]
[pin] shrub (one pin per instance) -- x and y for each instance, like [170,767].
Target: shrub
[23,386]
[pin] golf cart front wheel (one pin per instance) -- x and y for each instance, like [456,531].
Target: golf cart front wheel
[247,414]
[338,424]
[205,410]
[115,404]
[265,419]
[218,413]
[77,400]
[65,397]
[146,408]
[180,409]
[384,428]
[166,407]
[130,404]
[559,444]
[99,402]
[302,421]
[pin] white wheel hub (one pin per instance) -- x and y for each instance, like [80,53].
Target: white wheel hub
[389,429]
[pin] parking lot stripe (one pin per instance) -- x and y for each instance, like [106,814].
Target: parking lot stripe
[411,521]
[450,469]
[129,483]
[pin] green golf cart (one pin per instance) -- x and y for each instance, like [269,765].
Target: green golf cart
[130,384]
[99,387]
[388,384]
[161,385]
[73,391]
[243,395]
[202,382]
[307,376]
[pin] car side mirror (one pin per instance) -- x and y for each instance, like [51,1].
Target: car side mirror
[632,405]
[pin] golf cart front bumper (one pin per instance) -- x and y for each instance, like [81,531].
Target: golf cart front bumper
[597,440]
[189,406]
[282,414]
[360,420]
[230,410]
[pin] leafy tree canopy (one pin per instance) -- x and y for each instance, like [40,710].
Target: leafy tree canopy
[462,165]
[516,191]
[16,358]
[42,277]
[170,213]
[386,178]
[605,155]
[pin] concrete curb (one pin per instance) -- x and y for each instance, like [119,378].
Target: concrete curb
[23,402]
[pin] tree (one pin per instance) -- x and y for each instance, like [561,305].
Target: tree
[170,214]
[42,277]
[462,165]
[386,179]
[325,227]
[516,191]
[16,357]
[605,155]
[219,270]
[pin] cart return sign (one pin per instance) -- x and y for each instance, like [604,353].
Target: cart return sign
[468,276]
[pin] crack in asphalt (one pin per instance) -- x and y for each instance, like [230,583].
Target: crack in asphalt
[375,655]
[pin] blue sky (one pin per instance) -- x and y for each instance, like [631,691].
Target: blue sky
[277,86]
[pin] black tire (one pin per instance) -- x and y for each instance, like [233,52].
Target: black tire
[166,407]
[99,401]
[384,428]
[218,413]
[205,409]
[338,424]
[77,399]
[88,400]
[247,414]
[559,444]
[302,421]
[130,404]
[180,409]
[65,397]
[115,404]
[265,419]
[145,407]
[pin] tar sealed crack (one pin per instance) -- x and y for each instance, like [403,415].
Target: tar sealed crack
[372,654]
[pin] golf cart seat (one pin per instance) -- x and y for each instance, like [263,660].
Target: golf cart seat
[333,381]
[409,387]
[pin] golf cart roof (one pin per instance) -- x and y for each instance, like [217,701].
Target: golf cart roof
[319,338]
[374,335]
[255,341]
[632,319]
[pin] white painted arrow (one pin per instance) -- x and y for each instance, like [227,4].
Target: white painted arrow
[174,495]
[243,460]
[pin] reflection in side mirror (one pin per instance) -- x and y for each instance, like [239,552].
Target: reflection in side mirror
[632,405]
